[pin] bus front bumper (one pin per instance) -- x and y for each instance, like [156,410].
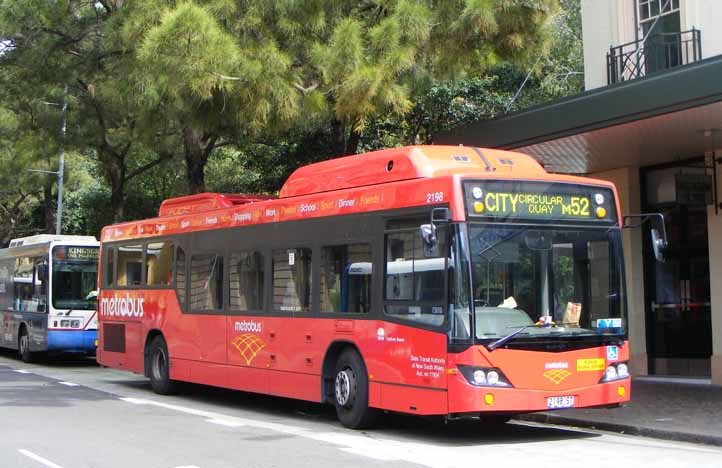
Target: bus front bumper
[72,341]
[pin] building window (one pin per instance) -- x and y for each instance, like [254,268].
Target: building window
[346,278]
[246,279]
[292,280]
[651,9]
[206,282]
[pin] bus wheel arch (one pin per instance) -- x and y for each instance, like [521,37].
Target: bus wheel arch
[24,343]
[346,376]
[157,363]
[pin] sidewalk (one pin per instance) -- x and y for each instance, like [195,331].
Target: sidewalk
[689,412]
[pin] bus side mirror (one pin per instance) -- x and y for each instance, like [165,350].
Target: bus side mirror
[659,240]
[427,232]
[659,245]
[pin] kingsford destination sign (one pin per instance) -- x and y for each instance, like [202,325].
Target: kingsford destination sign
[520,200]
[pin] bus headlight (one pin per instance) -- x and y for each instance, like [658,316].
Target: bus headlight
[484,376]
[614,372]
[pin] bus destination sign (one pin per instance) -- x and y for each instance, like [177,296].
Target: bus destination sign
[525,200]
[82,253]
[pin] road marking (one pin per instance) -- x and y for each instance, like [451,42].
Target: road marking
[380,447]
[224,422]
[21,371]
[39,459]
[69,384]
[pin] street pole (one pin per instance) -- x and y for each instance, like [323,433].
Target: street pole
[61,168]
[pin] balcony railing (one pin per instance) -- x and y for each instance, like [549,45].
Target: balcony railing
[659,52]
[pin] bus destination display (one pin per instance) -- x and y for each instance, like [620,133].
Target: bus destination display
[539,201]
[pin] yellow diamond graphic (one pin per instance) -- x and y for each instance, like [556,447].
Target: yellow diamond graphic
[248,345]
[557,375]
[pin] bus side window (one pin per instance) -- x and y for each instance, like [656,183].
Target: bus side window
[130,259]
[206,282]
[247,281]
[346,272]
[292,280]
[109,261]
[180,276]
[158,263]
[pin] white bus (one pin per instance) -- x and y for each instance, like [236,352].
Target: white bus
[48,295]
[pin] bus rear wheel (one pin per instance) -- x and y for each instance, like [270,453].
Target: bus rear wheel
[159,373]
[351,391]
[24,345]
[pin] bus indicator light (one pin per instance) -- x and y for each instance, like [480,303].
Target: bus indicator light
[489,399]
[621,391]
[601,212]
[477,193]
[478,207]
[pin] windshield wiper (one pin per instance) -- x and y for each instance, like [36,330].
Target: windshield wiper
[501,341]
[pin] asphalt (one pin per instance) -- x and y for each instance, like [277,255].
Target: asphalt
[670,409]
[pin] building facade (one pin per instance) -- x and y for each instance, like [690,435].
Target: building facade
[650,121]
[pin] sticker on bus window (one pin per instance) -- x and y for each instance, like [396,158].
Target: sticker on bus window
[609,323]
[612,353]
[291,258]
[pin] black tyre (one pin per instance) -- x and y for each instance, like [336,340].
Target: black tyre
[159,371]
[24,345]
[351,391]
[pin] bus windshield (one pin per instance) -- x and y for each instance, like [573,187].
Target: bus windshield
[75,271]
[570,278]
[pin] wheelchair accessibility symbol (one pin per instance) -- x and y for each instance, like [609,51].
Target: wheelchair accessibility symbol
[612,353]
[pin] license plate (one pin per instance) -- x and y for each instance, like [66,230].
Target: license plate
[557,402]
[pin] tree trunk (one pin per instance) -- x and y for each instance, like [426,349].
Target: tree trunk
[197,147]
[345,140]
[114,166]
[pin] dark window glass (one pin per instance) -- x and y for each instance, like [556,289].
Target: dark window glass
[246,278]
[109,259]
[74,278]
[292,280]
[159,263]
[346,278]
[206,282]
[130,259]
[180,276]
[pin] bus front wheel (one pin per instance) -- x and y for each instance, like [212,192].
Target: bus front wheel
[351,391]
[24,345]
[160,368]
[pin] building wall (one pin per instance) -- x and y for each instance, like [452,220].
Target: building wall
[626,179]
[714,232]
[607,23]
[604,24]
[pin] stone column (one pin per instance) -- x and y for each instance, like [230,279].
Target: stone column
[626,180]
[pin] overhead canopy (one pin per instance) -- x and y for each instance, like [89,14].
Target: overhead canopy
[660,118]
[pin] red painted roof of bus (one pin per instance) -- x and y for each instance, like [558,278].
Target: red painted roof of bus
[395,164]
[206,202]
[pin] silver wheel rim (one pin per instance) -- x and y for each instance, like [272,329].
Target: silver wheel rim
[159,365]
[24,343]
[343,386]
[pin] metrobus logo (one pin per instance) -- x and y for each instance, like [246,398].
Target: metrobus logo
[248,326]
[122,306]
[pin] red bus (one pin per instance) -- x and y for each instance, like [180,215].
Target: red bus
[432,280]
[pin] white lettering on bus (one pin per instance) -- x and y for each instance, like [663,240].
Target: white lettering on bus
[213,220]
[270,212]
[240,217]
[185,224]
[248,326]
[122,306]
[346,203]
[307,207]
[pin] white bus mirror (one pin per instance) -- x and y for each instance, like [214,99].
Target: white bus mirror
[429,241]
[659,245]
[659,239]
